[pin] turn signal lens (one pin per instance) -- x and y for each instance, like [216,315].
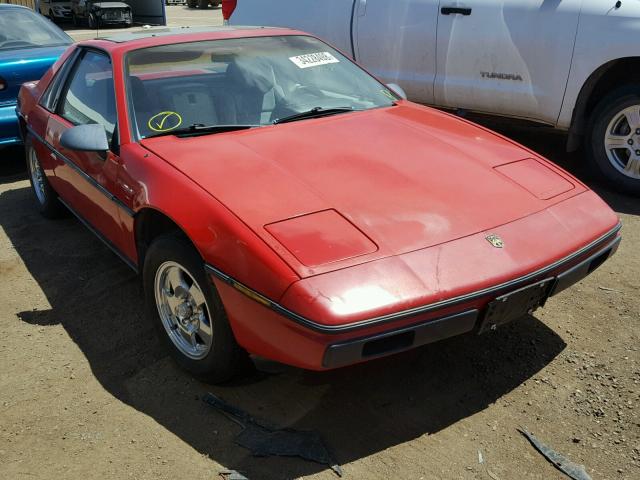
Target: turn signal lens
[3,84]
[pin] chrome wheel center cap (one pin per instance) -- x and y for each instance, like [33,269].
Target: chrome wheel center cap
[184,312]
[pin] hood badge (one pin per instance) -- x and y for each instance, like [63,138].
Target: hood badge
[495,240]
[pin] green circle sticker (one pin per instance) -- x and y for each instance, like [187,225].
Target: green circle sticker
[164,121]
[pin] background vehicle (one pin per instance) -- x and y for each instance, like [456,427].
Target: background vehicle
[568,64]
[98,14]
[29,44]
[234,168]
[57,11]
[203,3]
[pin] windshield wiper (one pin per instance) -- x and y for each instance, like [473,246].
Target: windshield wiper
[314,113]
[202,129]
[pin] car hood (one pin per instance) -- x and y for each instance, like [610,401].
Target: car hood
[22,65]
[405,177]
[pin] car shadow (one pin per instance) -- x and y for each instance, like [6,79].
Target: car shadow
[12,164]
[359,411]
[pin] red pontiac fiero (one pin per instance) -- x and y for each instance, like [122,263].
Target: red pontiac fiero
[280,201]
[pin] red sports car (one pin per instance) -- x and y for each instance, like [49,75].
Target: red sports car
[278,200]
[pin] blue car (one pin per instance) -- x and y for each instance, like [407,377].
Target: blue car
[29,45]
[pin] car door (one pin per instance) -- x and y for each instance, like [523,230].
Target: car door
[396,40]
[86,180]
[507,57]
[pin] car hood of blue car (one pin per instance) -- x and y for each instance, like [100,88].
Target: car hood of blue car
[25,65]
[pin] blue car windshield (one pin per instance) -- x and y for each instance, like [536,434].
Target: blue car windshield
[22,28]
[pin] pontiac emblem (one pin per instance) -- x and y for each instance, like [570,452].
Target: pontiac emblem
[495,240]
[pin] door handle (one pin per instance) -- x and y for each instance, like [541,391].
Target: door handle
[455,10]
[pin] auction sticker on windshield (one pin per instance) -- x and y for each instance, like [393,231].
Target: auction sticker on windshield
[314,59]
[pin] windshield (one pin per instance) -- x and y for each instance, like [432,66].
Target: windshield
[22,28]
[245,82]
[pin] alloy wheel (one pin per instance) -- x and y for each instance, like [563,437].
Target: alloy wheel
[37,176]
[622,141]
[183,310]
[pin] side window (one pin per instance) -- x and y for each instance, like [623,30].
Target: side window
[89,97]
[52,92]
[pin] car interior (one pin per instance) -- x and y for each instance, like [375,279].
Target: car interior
[229,90]
[229,96]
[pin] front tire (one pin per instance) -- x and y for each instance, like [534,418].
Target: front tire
[204,4]
[613,142]
[187,312]
[45,195]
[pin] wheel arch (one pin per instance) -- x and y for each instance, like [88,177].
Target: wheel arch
[151,223]
[613,74]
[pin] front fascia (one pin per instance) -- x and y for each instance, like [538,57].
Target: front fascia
[431,280]
[273,332]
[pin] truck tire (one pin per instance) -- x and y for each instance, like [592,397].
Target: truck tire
[192,3]
[203,3]
[215,3]
[187,312]
[613,140]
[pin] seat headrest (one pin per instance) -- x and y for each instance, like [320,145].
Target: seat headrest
[253,73]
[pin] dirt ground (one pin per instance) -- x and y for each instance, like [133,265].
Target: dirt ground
[86,391]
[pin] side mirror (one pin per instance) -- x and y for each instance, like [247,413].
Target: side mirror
[85,138]
[397,89]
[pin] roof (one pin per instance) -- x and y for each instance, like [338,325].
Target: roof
[168,31]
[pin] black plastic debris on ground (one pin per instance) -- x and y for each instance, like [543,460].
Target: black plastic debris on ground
[572,470]
[232,475]
[265,441]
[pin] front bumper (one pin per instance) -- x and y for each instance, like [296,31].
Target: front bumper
[354,351]
[9,126]
[270,330]
[109,18]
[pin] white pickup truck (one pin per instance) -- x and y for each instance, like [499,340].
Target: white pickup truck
[570,64]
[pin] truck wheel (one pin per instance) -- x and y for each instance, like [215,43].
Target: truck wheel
[187,312]
[74,20]
[203,3]
[215,3]
[45,195]
[614,139]
[192,3]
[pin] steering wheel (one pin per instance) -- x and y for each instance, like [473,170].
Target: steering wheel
[299,89]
